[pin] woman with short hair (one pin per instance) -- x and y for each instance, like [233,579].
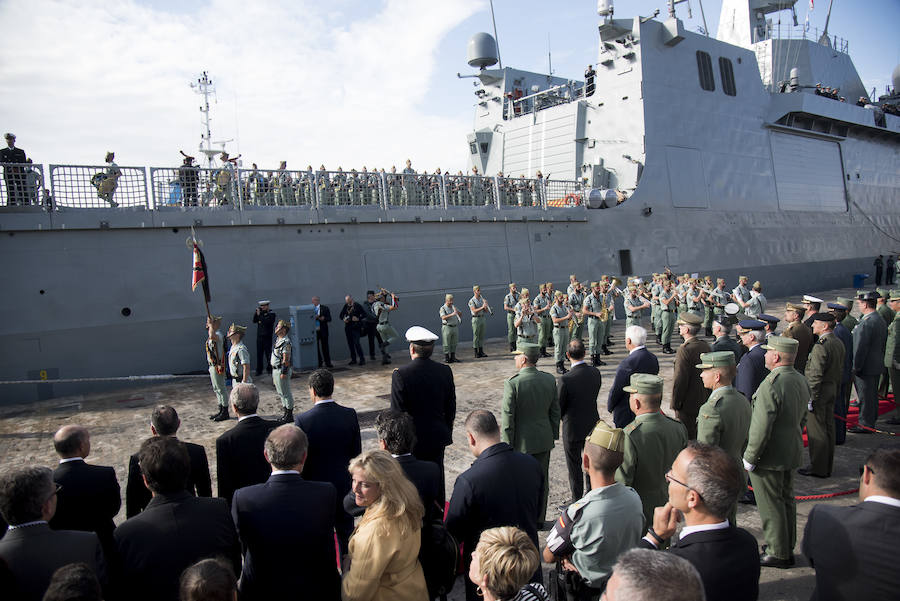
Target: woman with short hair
[503,562]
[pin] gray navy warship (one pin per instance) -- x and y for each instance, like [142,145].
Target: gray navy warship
[706,154]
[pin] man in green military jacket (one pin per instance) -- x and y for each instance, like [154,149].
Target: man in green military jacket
[823,372]
[892,353]
[775,449]
[724,419]
[530,412]
[847,319]
[652,441]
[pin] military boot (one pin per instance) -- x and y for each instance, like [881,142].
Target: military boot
[609,342]
[560,368]
[217,413]
[512,347]
[708,332]
[595,360]
[447,358]
[475,352]
[385,359]
[223,414]
[606,351]
[481,352]
[544,351]
[453,358]
[667,349]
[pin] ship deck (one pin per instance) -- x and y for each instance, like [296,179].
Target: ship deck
[119,420]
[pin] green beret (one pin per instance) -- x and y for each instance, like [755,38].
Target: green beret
[716,359]
[782,344]
[645,384]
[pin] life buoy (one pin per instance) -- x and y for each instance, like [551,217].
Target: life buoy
[572,200]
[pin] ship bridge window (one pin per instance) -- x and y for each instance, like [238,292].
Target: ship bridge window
[727,72]
[704,67]
[473,148]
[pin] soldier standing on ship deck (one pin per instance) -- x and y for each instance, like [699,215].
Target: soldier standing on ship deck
[13,175]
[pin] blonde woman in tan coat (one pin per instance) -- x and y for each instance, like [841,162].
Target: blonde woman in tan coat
[384,548]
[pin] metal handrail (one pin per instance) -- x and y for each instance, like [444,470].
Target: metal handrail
[22,184]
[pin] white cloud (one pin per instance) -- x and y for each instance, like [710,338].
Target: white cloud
[305,81]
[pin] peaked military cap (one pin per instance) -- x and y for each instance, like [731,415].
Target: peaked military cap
[769,318]
[529,349]
[871,295]
[607,437]
[715,359]
[781,343]
[895,295]
[812,299]
[883,292]
[845,301]
[263,302]
[418,334]
[838,306]
[689,319]
[793,307]
[644,384]
[745,325]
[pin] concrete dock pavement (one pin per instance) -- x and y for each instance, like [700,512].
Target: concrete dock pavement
[119,421]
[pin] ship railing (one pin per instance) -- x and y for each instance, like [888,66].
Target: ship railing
[190,186]
[470,191]
[561,94]
[98,187]
[348,188]
[22,185]
[520,192]
[562,194]
[777,31]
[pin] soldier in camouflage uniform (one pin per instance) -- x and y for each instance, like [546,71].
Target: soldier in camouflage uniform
[560,314]
[281,370]
[509,306]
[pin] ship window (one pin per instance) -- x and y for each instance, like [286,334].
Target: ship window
[473,148]
[704,66]
[484,147]
[727,72]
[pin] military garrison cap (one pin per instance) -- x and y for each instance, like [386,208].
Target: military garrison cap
[530,350]
[883,292]
[689,319]
[769,318]
[871,295]
[644,384]
[608,438]
[715,359]
[895,295]
[829,317]
[782,344]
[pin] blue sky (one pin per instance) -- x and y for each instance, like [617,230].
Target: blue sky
[342,82]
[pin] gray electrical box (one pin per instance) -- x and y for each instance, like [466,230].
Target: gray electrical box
[303,337]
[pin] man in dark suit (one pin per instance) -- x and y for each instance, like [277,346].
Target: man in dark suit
[90,496]
[502,488]
[853,549]
[639,361]
[425,389]
[704,485]
[724,342]
[239,452]
[30,549]
[176,529]
[578,390]
[869,341]
[286,527]
[688,392]
[334,439]
[323,316]
[165,422]
[751,370]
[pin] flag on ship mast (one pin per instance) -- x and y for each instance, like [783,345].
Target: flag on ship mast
[199,272]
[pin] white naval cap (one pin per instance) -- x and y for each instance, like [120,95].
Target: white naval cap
[420,335]
[811,299]
[263,302]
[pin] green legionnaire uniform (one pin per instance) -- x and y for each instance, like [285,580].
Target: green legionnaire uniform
[594,530]
[215,359]
[667,318]
[892,354]
[633,310]
[281,362]
[478,306]
[509,305]
[824,369]
[530,415]
[775,449]
[719,298]
[387,332]
[708,306]
[742,292]
[576,301]
[238,355]
[527,330]
[561,312]
[652,441]
[593,303]
[606,298]
[887,314]
[449,329]
[681,291]
[724,419]
[655,313]
[541,306]
[694,301]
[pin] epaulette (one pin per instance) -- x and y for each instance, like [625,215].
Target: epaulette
[515,375]
[634,425]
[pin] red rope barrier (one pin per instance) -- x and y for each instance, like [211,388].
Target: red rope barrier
[828,495]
